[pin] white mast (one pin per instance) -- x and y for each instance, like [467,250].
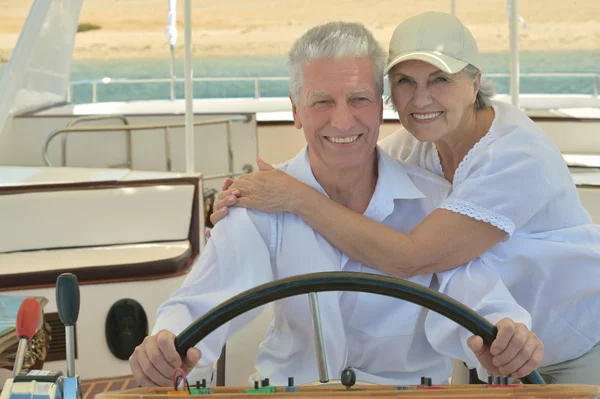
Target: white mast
[171,33]
[189,91]
[513,15]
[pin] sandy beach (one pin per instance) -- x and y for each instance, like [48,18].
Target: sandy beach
[135,28]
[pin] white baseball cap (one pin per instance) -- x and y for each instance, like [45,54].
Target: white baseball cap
[437,38]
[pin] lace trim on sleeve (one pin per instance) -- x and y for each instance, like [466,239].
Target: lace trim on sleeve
[479,213]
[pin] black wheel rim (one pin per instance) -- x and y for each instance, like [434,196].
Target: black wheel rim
[339,281]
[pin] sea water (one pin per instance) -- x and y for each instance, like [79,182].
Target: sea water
[274,66]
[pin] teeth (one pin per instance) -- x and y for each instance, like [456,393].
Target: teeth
[342,139]
[430,115]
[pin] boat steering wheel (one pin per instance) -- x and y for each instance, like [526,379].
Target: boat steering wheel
[340,281]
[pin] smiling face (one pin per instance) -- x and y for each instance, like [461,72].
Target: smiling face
[432,104]
[340,110]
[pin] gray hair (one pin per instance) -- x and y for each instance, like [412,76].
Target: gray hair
[487,89]
[334,40]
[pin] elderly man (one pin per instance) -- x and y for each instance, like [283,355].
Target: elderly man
[336,87]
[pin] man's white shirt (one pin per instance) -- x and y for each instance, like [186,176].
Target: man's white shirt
[385,340]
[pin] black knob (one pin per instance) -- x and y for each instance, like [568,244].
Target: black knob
[67,298]
[348,378]
[204,383]
[490,379]
[290,381]
[265,382]
[256,385]
[426,381]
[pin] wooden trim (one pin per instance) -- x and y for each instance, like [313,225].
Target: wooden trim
[592,186]
[34,188]
[274,123]
[563,119]
[384,391]
[100,281]
[93,387]
[98,274]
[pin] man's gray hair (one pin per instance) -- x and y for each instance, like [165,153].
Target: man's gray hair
[334,40]
[487,89]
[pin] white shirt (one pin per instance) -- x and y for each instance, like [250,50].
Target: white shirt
[516,179]
[386,341]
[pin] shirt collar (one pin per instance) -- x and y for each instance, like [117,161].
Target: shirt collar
[393,182]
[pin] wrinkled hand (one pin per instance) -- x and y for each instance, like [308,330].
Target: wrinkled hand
[268,190]
[516,351]
[221,205]
[154,360]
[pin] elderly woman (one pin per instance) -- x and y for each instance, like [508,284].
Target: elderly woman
[511,202]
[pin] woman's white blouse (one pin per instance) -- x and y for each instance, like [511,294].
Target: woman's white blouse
[516,179]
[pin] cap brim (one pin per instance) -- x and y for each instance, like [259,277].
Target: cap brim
[440,61]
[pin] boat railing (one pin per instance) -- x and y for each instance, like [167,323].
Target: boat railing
[89,118]
[95,83]
[128,128]
[595,77]
[257,80]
